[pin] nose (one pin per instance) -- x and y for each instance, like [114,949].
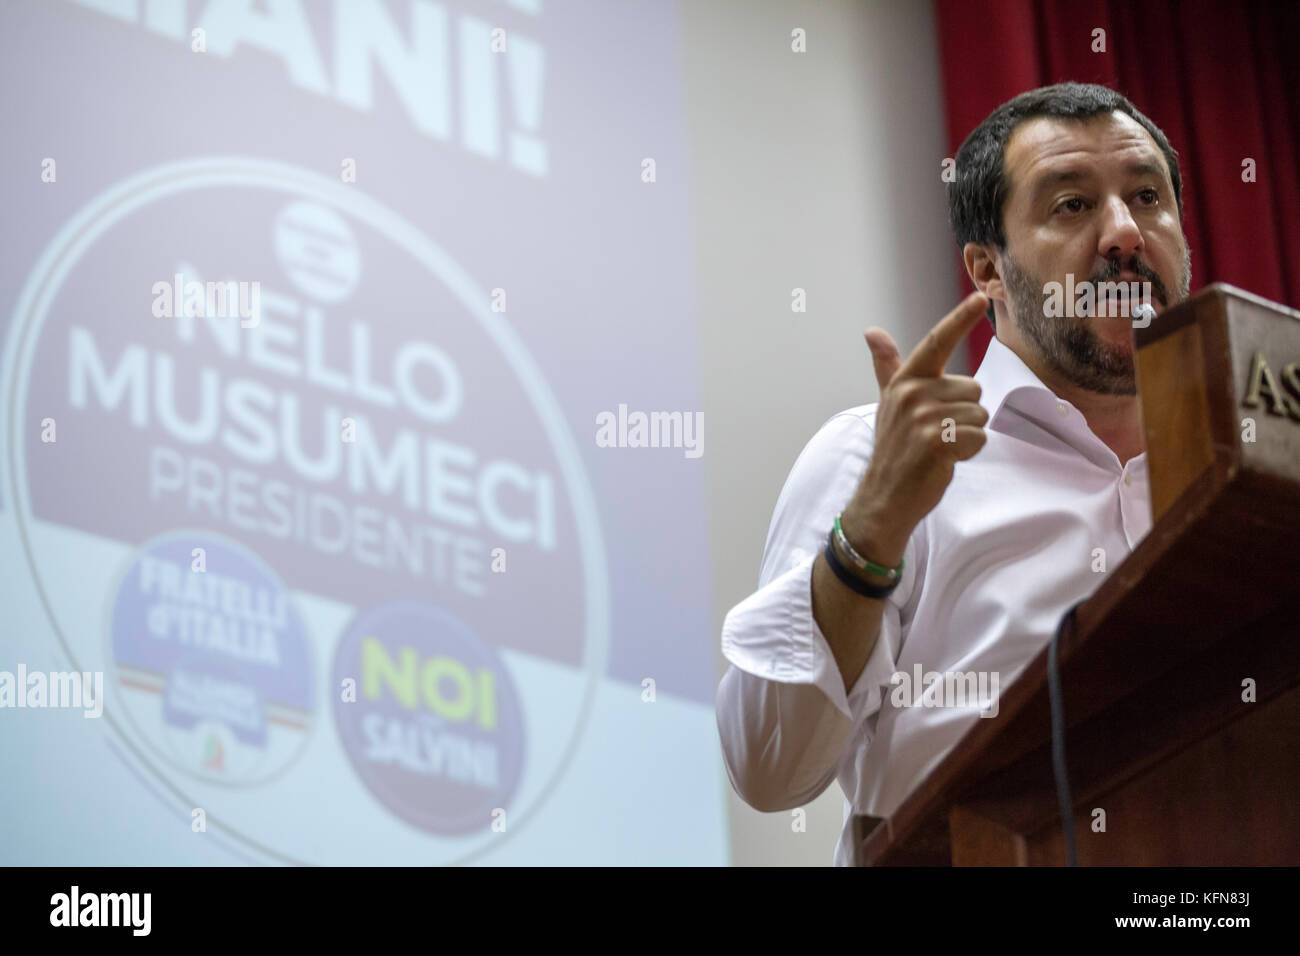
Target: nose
[1120,236]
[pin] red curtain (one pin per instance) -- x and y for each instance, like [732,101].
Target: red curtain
[1220,78]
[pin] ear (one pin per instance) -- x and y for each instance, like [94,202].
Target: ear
[984,269]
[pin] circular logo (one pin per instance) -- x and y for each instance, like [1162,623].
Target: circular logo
[432,723]
[317,251]
[319,383]
[212,660]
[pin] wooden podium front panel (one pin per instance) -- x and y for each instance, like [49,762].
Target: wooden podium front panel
[1228,800]
[1266,369]
[1176,414]
[1219,380]
[1139,750]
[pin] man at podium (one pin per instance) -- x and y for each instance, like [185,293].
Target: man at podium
[925,547]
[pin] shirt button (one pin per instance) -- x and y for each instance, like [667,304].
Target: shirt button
[1128,479]
[1063,408]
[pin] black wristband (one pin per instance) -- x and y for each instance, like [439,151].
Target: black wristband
[851,580]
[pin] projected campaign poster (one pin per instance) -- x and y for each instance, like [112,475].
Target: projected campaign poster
[352,497]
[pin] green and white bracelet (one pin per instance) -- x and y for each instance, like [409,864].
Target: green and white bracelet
[861,563]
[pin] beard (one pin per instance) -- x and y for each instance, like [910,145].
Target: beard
[1067,343]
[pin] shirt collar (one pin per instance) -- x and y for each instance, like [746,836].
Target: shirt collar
[1007,384]
[1003,375]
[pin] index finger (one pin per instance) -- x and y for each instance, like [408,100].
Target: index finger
[931,356]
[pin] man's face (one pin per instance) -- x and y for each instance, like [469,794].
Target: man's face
[1092,200]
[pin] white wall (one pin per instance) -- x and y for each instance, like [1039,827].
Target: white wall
[818,170]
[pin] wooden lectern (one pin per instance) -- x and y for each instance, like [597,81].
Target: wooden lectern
[1157,666]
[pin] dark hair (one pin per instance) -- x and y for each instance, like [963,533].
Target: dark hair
[979,191]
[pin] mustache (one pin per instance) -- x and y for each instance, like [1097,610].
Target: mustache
[1140,269]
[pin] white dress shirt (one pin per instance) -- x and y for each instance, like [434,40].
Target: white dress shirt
[1031,524]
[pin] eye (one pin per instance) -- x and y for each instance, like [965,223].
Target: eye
[1152,193]
[1066,202]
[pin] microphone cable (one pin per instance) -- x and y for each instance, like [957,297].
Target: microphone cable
[1058,740]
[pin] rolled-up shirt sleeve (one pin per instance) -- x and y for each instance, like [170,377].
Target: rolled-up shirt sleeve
[783,714]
